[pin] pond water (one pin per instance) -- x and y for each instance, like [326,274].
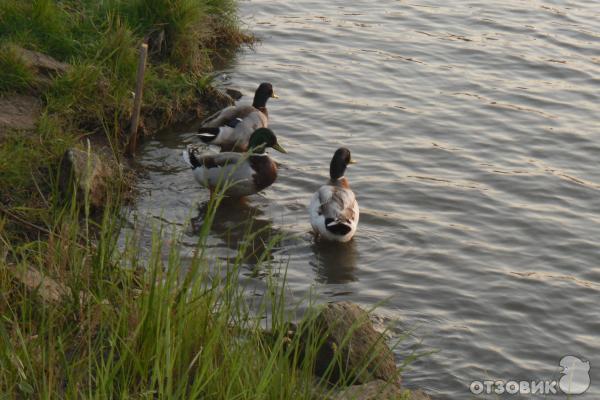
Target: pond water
[476,127]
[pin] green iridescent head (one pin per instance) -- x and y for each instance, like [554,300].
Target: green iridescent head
[263,138]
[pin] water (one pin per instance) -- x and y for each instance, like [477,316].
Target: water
[477,133]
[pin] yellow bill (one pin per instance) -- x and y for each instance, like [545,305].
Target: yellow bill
[280,149]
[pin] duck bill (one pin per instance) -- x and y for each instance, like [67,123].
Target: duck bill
[352,162]
[280,149]
[274,96]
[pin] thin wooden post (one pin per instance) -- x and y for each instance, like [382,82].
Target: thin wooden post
[137,100]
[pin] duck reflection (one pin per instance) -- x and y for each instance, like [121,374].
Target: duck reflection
[242,228]
[334,262]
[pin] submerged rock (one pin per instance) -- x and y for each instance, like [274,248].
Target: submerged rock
[357,349]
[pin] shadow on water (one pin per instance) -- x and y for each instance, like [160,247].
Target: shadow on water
[242,227]
[334,262]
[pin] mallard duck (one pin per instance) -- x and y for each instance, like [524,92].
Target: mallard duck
[248,173]
[231,127]
[333,208]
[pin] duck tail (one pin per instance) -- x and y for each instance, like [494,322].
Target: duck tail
[186,157]
[337,227]
[207,135]
[190,158]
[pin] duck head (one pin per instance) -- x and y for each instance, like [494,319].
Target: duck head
[263,138]
[339,162]
[262,94]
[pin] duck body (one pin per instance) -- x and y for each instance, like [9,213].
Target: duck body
[334,212]
[333,209]
[232,127]
[249,174]
[243,174]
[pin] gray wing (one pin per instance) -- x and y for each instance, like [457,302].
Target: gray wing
[219,160]
[197,156]
[337,203]
[249,124]
[226,115]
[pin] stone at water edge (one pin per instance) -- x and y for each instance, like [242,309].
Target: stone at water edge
[336,321]
[377,390]
[91,174]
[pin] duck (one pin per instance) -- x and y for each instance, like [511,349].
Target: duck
[245,173]
[230,128]
[333,208]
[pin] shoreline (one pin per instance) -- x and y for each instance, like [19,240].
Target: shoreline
[74,315]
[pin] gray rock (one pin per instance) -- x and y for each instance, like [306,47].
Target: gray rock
[419,395]
[91,175]
[377,390]
[352,343]
[50,290]
[19,111]
[41,62]
[374,390]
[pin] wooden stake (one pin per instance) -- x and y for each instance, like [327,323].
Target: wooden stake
[137,100]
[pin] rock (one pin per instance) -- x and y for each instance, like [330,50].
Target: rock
[47,288]
[419,395]
[374,390]
[43,63]
[19,111]
[91,174]
[234,93]
[363,356]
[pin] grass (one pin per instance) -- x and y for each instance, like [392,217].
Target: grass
[81,316]
[125,326]
[100,40]
[15,75]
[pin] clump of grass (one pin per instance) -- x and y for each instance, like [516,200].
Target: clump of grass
[117,325]
[43,25]
[186,31]
[100,40]
[15,75]
[176,25]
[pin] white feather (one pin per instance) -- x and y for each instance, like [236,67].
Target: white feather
[186,157]
[237,174]
[240,135]
[323,205]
